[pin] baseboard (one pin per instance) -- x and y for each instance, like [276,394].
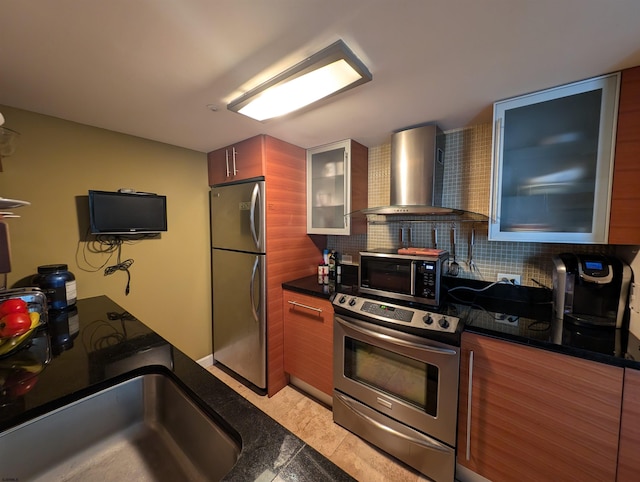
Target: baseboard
[464,474]
[206,361]
[312,391]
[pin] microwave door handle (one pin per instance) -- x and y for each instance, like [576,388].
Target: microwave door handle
[412,290]
[255,202]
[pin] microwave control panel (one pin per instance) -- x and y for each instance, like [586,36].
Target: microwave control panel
[426,277]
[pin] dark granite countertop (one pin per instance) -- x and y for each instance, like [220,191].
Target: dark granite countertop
[101,345]
[518,314]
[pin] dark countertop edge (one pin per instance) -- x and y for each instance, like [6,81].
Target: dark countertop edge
[268,450]
[265,442]
[612,360]
[309,285]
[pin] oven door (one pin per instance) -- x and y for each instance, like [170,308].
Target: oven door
[408,378]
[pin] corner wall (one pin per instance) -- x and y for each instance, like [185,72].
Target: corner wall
[56,162]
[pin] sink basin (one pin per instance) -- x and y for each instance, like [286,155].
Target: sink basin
[145,428]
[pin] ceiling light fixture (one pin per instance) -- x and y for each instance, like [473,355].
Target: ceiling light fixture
[330,71]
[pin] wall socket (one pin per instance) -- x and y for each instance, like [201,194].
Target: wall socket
[514,277]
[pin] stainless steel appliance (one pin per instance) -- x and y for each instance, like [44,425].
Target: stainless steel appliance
[396,369]
[239,293]
[417,172]
[402,277]
[590,289]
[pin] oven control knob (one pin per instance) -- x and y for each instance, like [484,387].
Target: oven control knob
[352,302]
[428,320]
[444,323]
[342,299]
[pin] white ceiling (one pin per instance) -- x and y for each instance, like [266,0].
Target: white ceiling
[150,68]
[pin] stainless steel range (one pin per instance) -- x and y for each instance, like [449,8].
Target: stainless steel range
[396,369]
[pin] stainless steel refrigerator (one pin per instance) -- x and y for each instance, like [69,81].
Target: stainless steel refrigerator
[239,283]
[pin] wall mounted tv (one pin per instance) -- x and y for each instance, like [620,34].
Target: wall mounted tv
[119,213]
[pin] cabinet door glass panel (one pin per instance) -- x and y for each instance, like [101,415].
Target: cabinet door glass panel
[550,163]
[328,189]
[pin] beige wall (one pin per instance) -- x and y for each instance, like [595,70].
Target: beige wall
[57,161]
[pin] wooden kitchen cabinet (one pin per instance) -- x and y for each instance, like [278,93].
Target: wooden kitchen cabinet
[527,414]
[240,161]
[628,459]
[551,166]
[308,340]
[337,184]
[624,221]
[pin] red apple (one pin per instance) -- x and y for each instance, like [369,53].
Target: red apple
[19,383]
[14,324]
[13,305]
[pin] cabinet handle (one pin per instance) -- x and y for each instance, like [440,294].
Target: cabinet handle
[312,308]
[496,167]
[226,158]
[469,404]
[235,171]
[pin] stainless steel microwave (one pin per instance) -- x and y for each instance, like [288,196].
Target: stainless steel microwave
[403,277]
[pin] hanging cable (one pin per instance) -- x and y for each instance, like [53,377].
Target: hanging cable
[121,266]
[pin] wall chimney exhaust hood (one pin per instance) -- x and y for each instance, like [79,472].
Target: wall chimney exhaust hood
[417,174]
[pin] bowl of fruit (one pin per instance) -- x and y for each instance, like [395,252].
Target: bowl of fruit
[22,312]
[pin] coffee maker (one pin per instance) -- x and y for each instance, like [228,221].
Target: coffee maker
[590,289]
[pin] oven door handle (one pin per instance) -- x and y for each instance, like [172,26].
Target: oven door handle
[428,443]
[397,341]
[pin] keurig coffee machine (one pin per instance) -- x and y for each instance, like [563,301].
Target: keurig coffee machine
[590,289]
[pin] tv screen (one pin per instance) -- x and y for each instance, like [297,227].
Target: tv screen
[127,213]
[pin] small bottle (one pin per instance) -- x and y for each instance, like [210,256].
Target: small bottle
[323,273]
[332,265]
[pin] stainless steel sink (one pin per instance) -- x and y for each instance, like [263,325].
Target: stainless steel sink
[146,428]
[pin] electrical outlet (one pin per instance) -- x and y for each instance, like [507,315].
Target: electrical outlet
[506,319]
[513,278]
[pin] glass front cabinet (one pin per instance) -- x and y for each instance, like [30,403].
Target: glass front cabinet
[553,162]
[336,186]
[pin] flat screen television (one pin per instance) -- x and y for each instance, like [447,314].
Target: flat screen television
[120,213]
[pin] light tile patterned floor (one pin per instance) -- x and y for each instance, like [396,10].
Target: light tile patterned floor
[313,423]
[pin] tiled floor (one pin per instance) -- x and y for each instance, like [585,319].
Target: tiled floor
[313,423]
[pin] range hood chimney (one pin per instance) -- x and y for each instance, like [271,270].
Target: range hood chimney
[417,172]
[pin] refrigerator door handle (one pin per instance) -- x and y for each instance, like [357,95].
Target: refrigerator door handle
[254,309]
[255,202]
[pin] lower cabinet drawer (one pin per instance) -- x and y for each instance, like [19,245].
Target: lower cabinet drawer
[308,340]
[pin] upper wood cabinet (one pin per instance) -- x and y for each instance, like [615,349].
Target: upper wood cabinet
[337,184]
[528,414]
[240,161]
[552,162]
[624,223]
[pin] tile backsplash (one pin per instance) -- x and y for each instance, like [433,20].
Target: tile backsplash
[467,180]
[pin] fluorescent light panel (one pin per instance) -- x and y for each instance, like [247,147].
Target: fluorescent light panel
[328,72]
